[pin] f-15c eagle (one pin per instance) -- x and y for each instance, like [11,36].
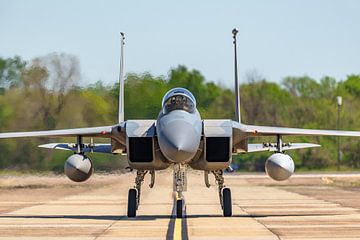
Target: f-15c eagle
[181,139]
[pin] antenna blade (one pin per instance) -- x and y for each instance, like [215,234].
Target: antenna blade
[237,89]
[121,80]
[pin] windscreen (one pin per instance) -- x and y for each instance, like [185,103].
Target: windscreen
[179,99]
[179,102]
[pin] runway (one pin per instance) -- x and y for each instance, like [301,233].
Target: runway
[306,207]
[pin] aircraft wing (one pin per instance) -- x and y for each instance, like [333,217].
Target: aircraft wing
[253,130]
[103,131]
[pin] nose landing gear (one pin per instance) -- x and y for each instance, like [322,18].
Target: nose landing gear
[179,186]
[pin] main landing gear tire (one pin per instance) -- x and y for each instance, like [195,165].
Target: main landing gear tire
[179,208]
[132,202]
[226,200]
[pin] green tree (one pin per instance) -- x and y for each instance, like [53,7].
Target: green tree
[10,71]
[46,93]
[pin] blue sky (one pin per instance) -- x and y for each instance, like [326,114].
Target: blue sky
[277,38]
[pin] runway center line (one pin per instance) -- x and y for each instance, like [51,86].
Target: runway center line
[177,228]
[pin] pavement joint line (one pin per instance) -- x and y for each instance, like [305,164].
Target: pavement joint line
[106,229]
[328,201]
[310,197]
[242,209]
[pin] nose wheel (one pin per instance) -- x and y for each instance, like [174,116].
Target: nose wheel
[179,207]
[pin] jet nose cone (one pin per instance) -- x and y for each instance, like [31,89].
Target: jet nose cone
[179,141]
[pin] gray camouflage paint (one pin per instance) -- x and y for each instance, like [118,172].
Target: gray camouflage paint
[179,134]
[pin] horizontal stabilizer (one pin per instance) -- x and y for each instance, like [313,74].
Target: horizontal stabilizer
[100,148]
[271,147]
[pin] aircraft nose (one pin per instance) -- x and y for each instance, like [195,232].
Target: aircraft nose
[179,141]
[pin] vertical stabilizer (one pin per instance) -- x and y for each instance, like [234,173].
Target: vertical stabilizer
[121,80]
[237,90]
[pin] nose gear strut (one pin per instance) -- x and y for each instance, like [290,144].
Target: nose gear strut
[179,186]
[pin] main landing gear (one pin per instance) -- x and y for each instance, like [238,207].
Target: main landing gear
[134,193]
[224,192]
[179,186]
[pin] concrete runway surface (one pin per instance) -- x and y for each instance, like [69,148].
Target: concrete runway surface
[305,207]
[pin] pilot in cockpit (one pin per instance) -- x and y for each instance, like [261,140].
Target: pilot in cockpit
[179,102]
[179,99]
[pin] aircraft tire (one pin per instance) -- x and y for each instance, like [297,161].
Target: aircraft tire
[227,207]
[179,208]
[131,211]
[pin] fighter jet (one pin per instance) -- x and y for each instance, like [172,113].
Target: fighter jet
[179,139]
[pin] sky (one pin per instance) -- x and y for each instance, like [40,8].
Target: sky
[277,38]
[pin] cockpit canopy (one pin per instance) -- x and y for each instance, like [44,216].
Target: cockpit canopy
[179,99]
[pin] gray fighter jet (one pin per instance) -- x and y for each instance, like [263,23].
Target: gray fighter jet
[179,138]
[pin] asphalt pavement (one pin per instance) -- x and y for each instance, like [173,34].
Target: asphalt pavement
[311,207]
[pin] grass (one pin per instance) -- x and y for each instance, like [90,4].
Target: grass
[343,183]
[11,172]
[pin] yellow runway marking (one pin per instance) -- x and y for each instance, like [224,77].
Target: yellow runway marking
[177,229]
[178,224]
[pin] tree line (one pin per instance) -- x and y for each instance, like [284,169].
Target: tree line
[48,93]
